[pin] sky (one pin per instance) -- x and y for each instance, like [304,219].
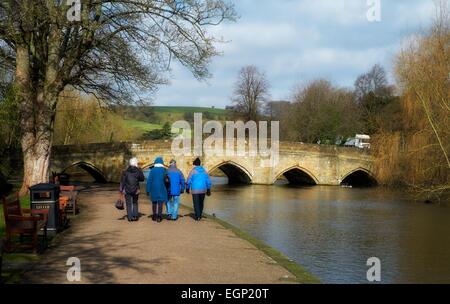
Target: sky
[297,41]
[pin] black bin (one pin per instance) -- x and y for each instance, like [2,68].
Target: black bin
[46,196]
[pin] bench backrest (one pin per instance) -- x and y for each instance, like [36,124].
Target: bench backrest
[11,206]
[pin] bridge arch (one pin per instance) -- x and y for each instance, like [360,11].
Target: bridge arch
[236,173]
[92,170]
[297,175]
[359,177]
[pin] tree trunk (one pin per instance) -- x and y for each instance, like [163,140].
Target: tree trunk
[37,103]
[36,160]
[37,139]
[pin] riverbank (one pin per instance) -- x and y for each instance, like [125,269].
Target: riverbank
[112,250]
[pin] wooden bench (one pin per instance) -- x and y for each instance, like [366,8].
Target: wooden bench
[68,199]
[23,222]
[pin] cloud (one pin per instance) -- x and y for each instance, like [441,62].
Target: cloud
[259,35]
[299,40]
[341,12]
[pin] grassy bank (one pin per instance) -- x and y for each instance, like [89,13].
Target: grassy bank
[15,265]
[302,275]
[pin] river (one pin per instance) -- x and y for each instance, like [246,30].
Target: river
[332,231]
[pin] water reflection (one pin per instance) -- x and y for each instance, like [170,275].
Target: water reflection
[332,231]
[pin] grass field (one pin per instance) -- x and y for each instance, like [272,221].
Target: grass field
[161,109]
[141,125]
[169,114]
[172,114]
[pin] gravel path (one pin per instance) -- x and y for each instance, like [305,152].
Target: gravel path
[113,250]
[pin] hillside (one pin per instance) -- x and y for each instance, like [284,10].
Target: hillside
[141,125]
[165,109]
[140,120]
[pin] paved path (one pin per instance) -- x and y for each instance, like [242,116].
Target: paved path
[113,250]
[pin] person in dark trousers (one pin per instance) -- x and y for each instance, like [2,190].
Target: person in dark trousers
[177,185]
[157,183]
[199,184]
[129,187]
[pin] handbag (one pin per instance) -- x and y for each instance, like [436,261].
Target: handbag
[166,181]
[119,203]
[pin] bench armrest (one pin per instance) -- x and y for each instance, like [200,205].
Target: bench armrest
[19,218]
[29,211]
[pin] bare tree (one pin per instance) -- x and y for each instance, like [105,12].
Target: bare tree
[118,48]
[250,91]
[373,93]
[373,81]
[423,72]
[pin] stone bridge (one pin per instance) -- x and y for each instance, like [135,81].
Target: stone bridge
[298,163]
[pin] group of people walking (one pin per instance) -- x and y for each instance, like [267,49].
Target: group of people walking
[164,188]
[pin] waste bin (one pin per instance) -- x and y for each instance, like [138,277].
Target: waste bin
[46,196]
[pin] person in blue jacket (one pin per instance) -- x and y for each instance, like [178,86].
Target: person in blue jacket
[177,185]
[157,188]
[199,184]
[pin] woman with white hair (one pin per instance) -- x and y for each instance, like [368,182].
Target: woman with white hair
[129,187]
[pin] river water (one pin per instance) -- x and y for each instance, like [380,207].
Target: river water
[332,231]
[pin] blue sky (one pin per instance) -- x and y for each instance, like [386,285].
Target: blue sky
[296,41]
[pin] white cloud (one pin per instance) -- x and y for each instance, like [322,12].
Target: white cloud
[241,36]
[407,14]
[342,12]
[299,40]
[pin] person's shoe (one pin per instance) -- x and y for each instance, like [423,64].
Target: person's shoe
[154,218]
[159,220]
[136,219]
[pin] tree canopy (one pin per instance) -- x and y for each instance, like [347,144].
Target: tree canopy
[117,50]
